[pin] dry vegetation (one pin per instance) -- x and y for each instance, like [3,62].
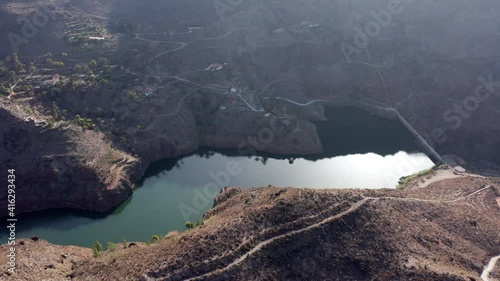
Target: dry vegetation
[299,234]
[98,155]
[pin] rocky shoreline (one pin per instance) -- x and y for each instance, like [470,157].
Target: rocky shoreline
[67,174]
[247,136]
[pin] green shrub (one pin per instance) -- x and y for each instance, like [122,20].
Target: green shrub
[85,123]
[111,246]
[189,225]
[97,248]
[92,64]
[102,61]
[404,181]
[156,238]
[4,91]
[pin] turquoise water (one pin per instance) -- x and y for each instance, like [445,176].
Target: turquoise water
[361,151]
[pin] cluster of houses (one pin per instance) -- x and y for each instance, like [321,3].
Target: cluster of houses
[232,95]
[234,92]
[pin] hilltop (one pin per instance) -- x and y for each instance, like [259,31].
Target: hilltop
[445,231]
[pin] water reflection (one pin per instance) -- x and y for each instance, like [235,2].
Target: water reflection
[360,151]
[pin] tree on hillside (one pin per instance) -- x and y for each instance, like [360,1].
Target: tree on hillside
[16,64]
[4,69]
[4,90]
[57,64]
[92,64]
[78,68]
[102,61]
[12,76]
[97,248]
[103,83]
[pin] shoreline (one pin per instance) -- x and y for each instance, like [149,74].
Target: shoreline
[136,171]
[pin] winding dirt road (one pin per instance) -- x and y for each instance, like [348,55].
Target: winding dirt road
[489,268]
[261,245]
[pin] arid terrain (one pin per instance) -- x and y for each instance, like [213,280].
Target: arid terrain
[445,231]
[156,80]
[92,92]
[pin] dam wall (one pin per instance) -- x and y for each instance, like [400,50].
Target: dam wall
[393,114]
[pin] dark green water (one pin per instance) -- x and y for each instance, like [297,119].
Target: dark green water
[361,150]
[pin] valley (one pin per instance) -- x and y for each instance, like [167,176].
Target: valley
[369,126]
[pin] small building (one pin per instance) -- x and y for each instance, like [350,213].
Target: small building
[92,38]
[42,123]
[214,67]
[148,91]
[459,169]
[235,89]
[279,30]
[195,27]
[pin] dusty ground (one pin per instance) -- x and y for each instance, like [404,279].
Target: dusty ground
[495,274]
[39,260]
[446,231]
[438,174]
[492,272]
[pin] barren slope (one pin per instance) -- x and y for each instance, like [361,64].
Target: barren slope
[447,231]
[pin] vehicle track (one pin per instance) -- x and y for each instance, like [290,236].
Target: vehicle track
[489,268]
[352,209]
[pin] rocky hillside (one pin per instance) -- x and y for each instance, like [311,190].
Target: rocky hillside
[60,167]
[136,75]
[445,231]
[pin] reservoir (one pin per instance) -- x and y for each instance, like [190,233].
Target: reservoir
[360,151]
